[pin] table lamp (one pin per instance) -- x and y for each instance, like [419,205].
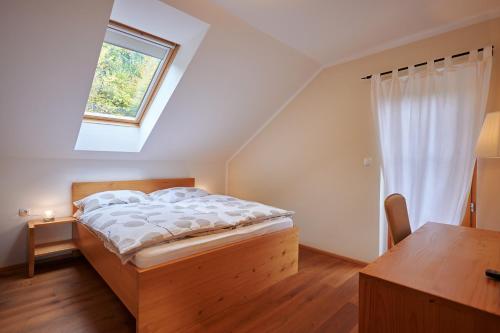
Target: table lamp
[48,216]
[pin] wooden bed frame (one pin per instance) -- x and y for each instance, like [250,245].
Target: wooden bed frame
[173,296]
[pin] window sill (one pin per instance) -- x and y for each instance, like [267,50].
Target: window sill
[111,122]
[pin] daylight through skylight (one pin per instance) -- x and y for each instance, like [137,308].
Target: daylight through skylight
[131,65]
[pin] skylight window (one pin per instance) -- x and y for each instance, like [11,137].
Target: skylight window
[131,66]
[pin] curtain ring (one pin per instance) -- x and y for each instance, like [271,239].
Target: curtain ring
[430,65]
[487,52]
[473,55]
[411,70]
[395,74]
[447,62]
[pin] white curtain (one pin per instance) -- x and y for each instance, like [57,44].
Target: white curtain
[429,121]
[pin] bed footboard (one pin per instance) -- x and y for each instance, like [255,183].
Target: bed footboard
[177,295]
[174,296]
[122,279]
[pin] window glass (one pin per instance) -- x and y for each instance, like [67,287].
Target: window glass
[127,70]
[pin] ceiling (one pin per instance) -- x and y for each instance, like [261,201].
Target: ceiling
[247,66]
[332,31]
[226,93]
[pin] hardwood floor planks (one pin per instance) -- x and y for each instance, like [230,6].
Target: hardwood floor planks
[69,296]
[344,320]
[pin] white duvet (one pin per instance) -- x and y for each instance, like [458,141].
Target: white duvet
[127,228]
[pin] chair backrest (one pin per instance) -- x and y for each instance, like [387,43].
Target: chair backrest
[397,217]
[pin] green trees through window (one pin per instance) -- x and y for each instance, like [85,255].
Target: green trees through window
[120,82]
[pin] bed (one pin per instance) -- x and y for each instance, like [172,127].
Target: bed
[172,286]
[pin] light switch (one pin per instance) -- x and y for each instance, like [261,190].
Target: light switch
[367,161]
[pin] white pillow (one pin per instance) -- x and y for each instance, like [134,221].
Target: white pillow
[175,194]
[107,198]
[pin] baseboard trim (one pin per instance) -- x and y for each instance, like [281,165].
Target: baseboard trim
[17,267]
[333,255]
[11,268]
[22,266]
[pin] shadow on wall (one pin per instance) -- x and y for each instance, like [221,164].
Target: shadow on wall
[488,194]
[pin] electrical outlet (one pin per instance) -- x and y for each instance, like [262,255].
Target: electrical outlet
[23,212]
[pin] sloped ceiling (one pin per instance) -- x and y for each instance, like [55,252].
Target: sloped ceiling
[331,31]
[48,55]
[236,81]
[240,76]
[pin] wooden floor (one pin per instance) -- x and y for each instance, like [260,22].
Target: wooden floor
[69,296]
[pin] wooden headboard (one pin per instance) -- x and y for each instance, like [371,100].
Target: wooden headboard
[81,190]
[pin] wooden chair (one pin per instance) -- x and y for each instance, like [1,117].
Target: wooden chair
[397,217]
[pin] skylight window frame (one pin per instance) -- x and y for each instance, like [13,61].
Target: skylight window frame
[154,85]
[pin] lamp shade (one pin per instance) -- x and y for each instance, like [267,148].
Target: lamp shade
[488,144]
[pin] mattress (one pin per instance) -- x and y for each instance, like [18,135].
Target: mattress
[164,253]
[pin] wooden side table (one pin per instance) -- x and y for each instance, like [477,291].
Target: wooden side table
[36,250]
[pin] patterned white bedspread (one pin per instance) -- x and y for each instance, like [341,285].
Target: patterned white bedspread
[127,228]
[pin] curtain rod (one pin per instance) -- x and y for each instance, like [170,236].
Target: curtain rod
[425,63]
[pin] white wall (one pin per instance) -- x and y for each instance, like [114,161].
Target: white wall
[46,184]
[238,78]
[310,157]
[488,192]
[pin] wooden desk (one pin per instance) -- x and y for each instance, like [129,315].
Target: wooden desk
[433,282]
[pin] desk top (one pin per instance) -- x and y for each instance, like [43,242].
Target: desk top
[445,261]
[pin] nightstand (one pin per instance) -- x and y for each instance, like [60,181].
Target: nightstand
[36,250]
